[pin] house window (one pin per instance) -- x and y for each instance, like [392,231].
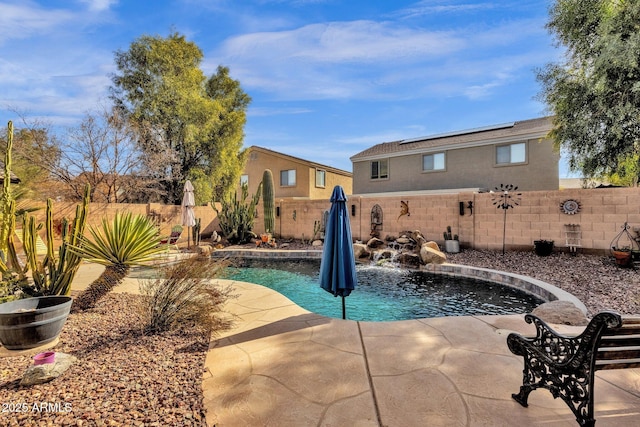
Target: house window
[433,162]
[512,153]
[288,178]
[320,178]
[380,169]
[244,180]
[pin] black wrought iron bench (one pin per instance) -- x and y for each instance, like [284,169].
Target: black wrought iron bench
[566,365]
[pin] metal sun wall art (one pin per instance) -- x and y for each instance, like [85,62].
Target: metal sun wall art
[570,207]
[505,198]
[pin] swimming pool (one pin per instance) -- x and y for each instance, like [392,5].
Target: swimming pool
[385,294]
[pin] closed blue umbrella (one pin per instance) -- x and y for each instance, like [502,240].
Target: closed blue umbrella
[338,266]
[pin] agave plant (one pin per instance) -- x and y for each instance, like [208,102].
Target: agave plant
[126,241]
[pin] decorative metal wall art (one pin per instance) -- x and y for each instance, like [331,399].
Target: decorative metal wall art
[570,207]
[505,198]
[404,209]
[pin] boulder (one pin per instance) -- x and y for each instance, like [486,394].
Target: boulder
[360,250]
[403,240]
[204,250]
[384,254]
[375,243]
[408,259]
[561,313]
[433,245]
[429,255]
[418,237]
[40,374]
[316,243]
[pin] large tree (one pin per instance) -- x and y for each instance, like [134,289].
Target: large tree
[190,128]
[594,94]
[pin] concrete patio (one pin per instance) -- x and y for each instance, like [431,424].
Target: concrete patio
[283,366]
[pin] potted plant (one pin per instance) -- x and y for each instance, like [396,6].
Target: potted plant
[451,242]
[543,247]
[39,289]
[622,256]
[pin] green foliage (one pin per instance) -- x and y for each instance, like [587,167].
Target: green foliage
[236,216]
[128,240]
[185,296]
[53,275]
[125,241]
[627,172]
[595,94]
[190,126]
[268,201]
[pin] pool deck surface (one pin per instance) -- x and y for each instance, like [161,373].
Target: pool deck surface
[283,366]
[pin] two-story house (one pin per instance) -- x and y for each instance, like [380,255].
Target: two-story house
[292,176]
[480,159]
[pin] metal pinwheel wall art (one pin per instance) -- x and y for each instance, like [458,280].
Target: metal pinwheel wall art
[504,198]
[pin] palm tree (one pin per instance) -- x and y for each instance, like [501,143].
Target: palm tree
[127,241]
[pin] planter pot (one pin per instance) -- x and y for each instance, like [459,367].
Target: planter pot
[623,258]
[32,322]
[452,246]
[543,247]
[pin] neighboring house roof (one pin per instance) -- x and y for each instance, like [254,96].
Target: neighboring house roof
[14,178]
[298,159]
[526,129]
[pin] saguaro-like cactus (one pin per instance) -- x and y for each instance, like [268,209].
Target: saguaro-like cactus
[268,201]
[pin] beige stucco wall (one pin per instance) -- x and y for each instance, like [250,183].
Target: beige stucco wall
[537,216]
[472,167]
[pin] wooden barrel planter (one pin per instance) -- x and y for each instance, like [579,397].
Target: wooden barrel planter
[32,322]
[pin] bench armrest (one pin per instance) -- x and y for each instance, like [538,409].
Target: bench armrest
[554,348]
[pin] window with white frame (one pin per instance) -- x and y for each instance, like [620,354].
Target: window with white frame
[288,178]
[244,180]
[433,162]
[380,169]
[511,153]
[320,178]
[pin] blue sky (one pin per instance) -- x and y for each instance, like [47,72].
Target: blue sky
[328,78]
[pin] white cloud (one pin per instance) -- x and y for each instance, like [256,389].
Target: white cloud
[99,5]
[26,19]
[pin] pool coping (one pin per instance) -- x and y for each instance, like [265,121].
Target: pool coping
[538,288]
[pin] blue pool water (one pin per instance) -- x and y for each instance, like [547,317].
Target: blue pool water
[385,294]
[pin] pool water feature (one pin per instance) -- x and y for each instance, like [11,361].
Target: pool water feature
[386,294]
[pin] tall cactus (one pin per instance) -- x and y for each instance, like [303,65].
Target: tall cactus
[6,197]
[268,201]
[53,276]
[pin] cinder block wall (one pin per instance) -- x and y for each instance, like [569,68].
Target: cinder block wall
[534,215]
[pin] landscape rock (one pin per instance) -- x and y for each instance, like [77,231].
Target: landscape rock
[360,250]
[375,243]
[40,374]
[204,250]
[408,259]
[316,243]
[561,313]
[429,255]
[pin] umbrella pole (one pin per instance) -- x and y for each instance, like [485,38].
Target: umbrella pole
[344,312]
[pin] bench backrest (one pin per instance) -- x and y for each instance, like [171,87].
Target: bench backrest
[620,347]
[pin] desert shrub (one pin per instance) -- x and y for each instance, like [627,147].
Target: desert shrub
[186,294]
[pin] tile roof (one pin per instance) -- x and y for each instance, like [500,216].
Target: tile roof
[534,128]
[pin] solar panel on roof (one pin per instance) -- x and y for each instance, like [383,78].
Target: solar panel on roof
[459,132]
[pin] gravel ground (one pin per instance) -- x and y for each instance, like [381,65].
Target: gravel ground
[124,378]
